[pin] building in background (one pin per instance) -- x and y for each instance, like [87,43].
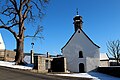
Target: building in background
[104,60]
[81,53]
[6,55]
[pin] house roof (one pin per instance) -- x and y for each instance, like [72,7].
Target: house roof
[103,56]
[84,34]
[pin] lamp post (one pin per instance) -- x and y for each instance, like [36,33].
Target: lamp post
[32,45]
[32,54]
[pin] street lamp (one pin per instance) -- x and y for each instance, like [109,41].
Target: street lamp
[32,54]
[32,45]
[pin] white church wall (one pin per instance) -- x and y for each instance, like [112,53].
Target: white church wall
[88,48]
[92,64]
[79,42]
[81,60]
[71,60]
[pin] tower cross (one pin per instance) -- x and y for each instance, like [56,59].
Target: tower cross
[77,11]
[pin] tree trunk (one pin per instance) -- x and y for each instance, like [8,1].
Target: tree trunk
[20,42]
[19,52]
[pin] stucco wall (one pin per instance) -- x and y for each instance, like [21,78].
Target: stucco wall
[2,54]
[104,63]
[7,55]
[79,42]
[40,63]
[92,64]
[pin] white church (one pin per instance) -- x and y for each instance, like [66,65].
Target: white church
[81,53]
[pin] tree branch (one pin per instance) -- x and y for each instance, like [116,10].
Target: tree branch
[27,10]
[9,29]
[28,36]
[114,48]
[13,25]
[2,22]
[14,4]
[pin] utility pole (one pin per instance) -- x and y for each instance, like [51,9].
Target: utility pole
[32,54]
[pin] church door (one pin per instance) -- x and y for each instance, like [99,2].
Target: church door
[81,68]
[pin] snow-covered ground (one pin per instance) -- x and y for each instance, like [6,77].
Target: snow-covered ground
[12,65]
[94,75]
[83,75]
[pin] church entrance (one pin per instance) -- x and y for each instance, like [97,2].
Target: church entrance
[81,68]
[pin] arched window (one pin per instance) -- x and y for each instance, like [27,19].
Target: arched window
[78,31]
[80,54]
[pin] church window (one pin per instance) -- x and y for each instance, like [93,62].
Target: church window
[80,54]
[78,31]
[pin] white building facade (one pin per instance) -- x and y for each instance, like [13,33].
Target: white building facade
[2,45]
[81,53]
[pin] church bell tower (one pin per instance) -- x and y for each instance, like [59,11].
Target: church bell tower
[77,22]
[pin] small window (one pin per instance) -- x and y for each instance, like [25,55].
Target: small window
[80,54]
[78,31]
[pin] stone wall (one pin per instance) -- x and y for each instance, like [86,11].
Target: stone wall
[48,64]
[42,63]
[2,54]
[104,63]
[7,55]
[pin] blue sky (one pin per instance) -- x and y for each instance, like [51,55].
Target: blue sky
[101,23]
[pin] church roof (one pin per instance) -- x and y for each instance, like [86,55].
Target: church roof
[84,34]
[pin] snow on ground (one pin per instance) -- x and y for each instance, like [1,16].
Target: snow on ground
[94,75]
[83,75]
[12,65]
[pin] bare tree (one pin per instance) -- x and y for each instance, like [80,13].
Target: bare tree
[13,16]
[114,49]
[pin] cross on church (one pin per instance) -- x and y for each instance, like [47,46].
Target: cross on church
[77,11]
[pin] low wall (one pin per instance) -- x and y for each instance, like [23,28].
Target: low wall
[7,55]
[114,71]
[42,63]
